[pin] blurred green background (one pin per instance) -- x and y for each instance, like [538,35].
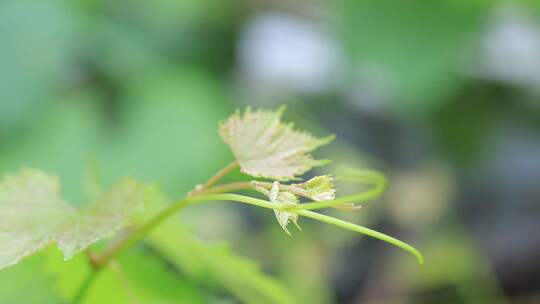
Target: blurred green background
[442,96]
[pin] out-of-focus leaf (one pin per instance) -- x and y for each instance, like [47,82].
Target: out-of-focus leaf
[164,18]
[36,39]
[102,218]
[162,112]
[471,270]
[266,147]
[139,277]
[33,215]
[28,283]
[159,282]
[412,50]
[465,135]
[168,135]
[60,140]
[213,264]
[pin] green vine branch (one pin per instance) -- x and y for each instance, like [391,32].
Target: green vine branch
[218,193]
[264,147]
[213,194]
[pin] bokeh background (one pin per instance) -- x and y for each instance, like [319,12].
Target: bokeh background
[441,96]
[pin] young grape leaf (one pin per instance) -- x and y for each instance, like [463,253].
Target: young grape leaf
[102,218]
[319,188]
[30,214]
[282,198]
[33,215]
[266,147]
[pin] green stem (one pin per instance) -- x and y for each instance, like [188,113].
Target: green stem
[228,187]
[219,175]
[231,187]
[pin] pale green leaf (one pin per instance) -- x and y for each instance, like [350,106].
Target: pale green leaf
[102,218]
[281,198]
[33,215]
[266,147]
[319,188]
[138,277]
[31,212]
